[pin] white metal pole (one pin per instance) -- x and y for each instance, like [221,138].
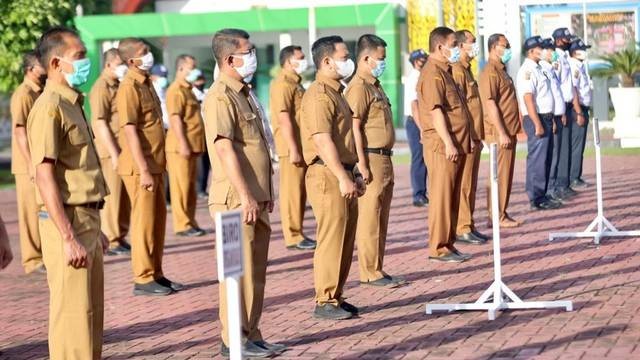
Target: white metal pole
[313,32]
[495,216]
[584,21]
[233,307]
[596,140]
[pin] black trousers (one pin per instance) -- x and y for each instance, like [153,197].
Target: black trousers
[578,141]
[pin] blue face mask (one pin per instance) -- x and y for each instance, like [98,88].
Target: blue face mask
[455,55]
[80,74]
[193,75]
[506,56]
[381,65]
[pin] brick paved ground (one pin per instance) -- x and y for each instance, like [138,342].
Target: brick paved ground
[603,282]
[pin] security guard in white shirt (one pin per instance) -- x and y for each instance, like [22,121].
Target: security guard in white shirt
[578,51]
[548,61]
[562,38]
[536,104]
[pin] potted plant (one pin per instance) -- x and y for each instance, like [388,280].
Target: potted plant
[626,97]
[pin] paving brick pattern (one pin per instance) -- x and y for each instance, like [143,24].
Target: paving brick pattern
[603,282]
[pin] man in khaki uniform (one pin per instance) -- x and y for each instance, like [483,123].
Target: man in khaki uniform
[116,213]
[329,150]
[465,230]
[21,102]
[241,179]
[374,137]
[185,145]
[141,165]
[70,191]
[285,97]
[447,139]
[501,120]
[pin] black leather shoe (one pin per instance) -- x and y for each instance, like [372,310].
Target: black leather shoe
[386,281]
[569,192]
[275,348]
[118,250]
[193,232]
[544,205]
[555,197]
[450,257]
[464,256]
[349,307]
[151,289]
[306,244]
[331,312]
[125,244]
[422,202]
[170,284]
[579,184]
[480,235]
[249,350]
[470,238]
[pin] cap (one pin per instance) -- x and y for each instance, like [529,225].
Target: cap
[548,43]
[578,44]
[159,70]
[532,42]
[417,54]
[562,33]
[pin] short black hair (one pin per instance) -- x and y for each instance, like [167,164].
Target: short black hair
[182,58]
[493,40]
[325,46]
[29,61]
[53,43]
[461,36]
[369,42]
[127,48]
[287,52]
[109,55]
[225,42]
[438,36]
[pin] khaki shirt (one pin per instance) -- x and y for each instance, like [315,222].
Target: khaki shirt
[370,104]
[497,85]
[463,77]
[57,130]
[230,113]
[138,104]
[325,110]
[102,99]
[22,101]
[437,89]
[285,95]
[182,101]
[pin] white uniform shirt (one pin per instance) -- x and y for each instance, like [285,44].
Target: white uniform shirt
[558,101]
[581,81]
[161,92]
[410,93]
[531,80]
[564,75]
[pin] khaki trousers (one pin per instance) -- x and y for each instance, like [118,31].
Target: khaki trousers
[468,192]
[148,220]
[444,200]
[293,198]
[373,218]
[30,246]
[116,213]
[76,299]
[506,165]
[255,253]
[337,220]
[182,188]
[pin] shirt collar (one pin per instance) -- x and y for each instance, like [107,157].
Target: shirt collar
[184,83]
[108,79]
[235,85]
[367,76]
[32,84]
[66,92]
[497,64]
[137,75]
[291,75]
[466,64]
[530,62]
[333,83]
[442,65]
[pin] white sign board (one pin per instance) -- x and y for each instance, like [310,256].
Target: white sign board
[229,243]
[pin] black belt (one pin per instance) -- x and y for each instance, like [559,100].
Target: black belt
[318,161]
[97,205]
[546,115]
[379,151]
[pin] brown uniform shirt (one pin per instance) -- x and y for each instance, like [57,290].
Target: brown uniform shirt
[182,101]
[58,130]
[497,85]
[325,110]
[285,95]
[463,77]
[138,104]
[370,104]
[230,113]
[103,108]
[22,101]
[437,89]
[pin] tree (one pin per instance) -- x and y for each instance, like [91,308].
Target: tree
[625,64]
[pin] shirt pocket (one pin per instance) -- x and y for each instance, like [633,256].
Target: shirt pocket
[78,134]
[453,98]
[248,125]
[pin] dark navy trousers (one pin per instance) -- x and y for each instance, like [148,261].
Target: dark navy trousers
[418,168]
[555,157]
[578,141]
[539,156]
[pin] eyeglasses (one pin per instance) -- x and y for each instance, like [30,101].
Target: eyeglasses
[250,52]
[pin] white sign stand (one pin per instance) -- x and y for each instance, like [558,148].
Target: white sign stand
[600,223]
[503,297]
[229,256]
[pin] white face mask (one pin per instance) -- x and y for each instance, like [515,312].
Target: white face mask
[345,68]
[580,55]
[249,66]
[475,50]
[147,62]
[303,65]
[120,71]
